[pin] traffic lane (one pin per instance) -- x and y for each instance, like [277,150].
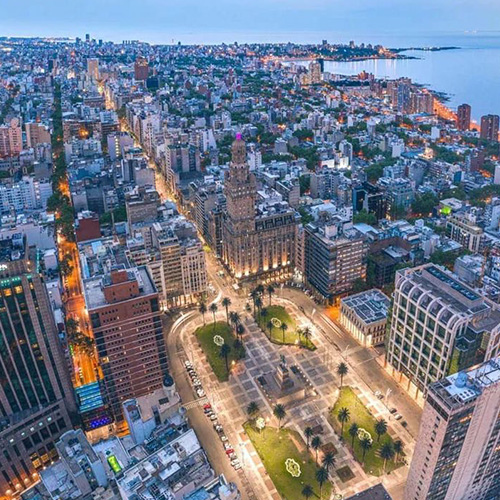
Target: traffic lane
[362,361]
[202,426]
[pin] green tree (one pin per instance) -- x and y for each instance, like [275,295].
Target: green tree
[316,445]
[270,291]
[398,449]
[253,410]
[308,433]
[284,328]
[226,302]
[366,443]
[342,371]
[328,460]
[322,478]
[224,353]
[307,491]
[380,428]
[343,416]
[387,453]
[202,308]
[365,217]
[213,309]
[280,413]
[353,432]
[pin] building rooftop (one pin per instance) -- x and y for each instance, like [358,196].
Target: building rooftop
[377,492]
[93,288]
[463,387]
[370,306]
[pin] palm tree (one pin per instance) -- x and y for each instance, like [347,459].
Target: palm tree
[308,433]
[306,333]
[398,449]
[260,289]
[252,409]
[224,353]
[284,328]
[280,413]
[342,370]
[270,291]
[263,313]
[353,432]
[343,416]
[234,319]
[213,309]
[321,477]
[202,308]
[258,305]
[366,443]
[380,428]
[240,330]
[328,460]
[316,445]
[270,328]
[254,294]
[307,491]
[387,453]
[226,302]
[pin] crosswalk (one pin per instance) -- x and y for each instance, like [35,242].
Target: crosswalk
[196,402]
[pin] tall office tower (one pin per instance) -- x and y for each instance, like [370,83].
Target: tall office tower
[463,117]
[93,68]
[36,397]
[125,317]
[457,456]
[315,72]
[36,133]
[438,327]
[11,139]
[489,127]
[256,240]
[141,68]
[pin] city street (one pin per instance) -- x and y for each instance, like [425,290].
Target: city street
[230,399]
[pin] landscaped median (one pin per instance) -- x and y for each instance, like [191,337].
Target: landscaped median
[360,415]
[212,337]
[289,467]
[270,320]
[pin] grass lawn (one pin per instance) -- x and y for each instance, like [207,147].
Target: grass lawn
[205,335]
[291,336]
[361,415]
[274,447]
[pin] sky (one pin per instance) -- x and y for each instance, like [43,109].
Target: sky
[214,21]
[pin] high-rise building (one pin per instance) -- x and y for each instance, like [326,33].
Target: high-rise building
[463,117]
[36,397]
[333,259]
[125,317]
[457,455]
[93,68]
[465,232]
[315,72]
[141,69]
[36,133]
[256,240]
[11,139]
[489,127]
[438,327]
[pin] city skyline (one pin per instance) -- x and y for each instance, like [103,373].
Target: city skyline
[228,21]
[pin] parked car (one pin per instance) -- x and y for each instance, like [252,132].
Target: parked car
[378,394]
[229,451]
[223,438]
[235,462]
[393,410]
[227,446]
[398,416]
[237,467]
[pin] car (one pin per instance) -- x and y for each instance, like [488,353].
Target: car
[227,446]
[378,394]
[218,428]
[187,364]
[223,438]
[207,407]
[206,411]
[398,416]
[393,410]
[213,417]
[200,393]
[237,467]
[229,450]
[235,462]
[404,423]
[232,456]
